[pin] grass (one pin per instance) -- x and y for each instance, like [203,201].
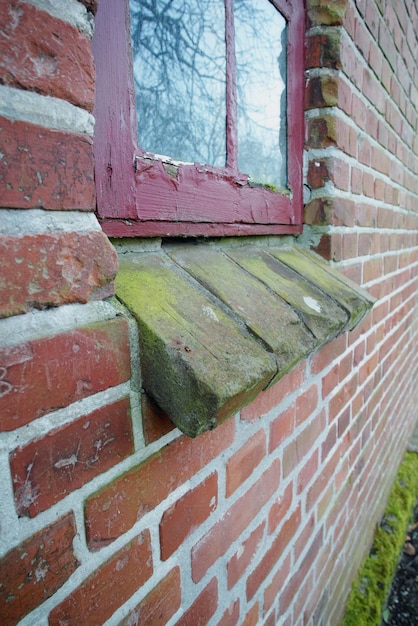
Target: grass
[371,587]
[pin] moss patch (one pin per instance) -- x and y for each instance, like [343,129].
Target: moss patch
[371,587]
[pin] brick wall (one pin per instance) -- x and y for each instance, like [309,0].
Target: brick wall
[107,513]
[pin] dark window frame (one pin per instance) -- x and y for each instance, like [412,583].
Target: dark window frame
[138,197]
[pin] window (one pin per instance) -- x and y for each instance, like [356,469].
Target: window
[199,116]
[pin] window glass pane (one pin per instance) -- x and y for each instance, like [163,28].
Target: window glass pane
[179,72]
[260,42]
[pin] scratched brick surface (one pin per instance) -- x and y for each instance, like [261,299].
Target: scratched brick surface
[42,53]
[42,168]
[114,509]
[34,570]
[49,468]
[40,271]
[35,377]
[203,607]
[159,605]
[96,599]
[187,514]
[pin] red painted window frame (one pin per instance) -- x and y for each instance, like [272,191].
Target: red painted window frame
[137,197]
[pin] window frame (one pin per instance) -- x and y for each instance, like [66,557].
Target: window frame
[137,197]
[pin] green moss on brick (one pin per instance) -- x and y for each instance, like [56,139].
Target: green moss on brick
[371,587]
[326,12]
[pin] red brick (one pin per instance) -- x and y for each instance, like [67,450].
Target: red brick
[271,592]
[239,562]
[359,109]
[364,151]
[36,377]
[202,608]
[364,244]
[372,19]
[295,585]
[344,421]
[356,180]
[325,502]
[318,173]
[104,591]
[307,472]
[342,397]
[373,268]
[251,618]
[323,50]
[155,422]
[304,537]
[115,508]
[306,404]
[242,464]
[270,398]
[324,247]
[345,367]
[321,91]
[382,134]
[303,444]
[337,244]
[271,620]
[330,381]
[339,172]
[159,605]
[329,443]
[323,481]
[48,169]
[187,514]
[279,508]
[39,271]
[220,537]
[373,91]
[306,590]
[48,469]
[273,554]
[353,272]
[350,246]
[44,54]
[344,96]
[380,161]
[282,427]
[321,12]
[329,353]
[352,68]
[231,615]
[36,569]
[347,142]
[321,132]
[372,123]
[391,142]
[349,20]
[336,211]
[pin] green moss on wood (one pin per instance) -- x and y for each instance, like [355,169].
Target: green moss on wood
[324,12]
[371,587]
[216,327]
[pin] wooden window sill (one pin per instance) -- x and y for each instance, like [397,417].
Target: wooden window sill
[219,325]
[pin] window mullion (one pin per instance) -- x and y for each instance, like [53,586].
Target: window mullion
[231,88]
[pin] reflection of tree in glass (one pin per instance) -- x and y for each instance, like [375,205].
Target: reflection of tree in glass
[260,35]
[179,71]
